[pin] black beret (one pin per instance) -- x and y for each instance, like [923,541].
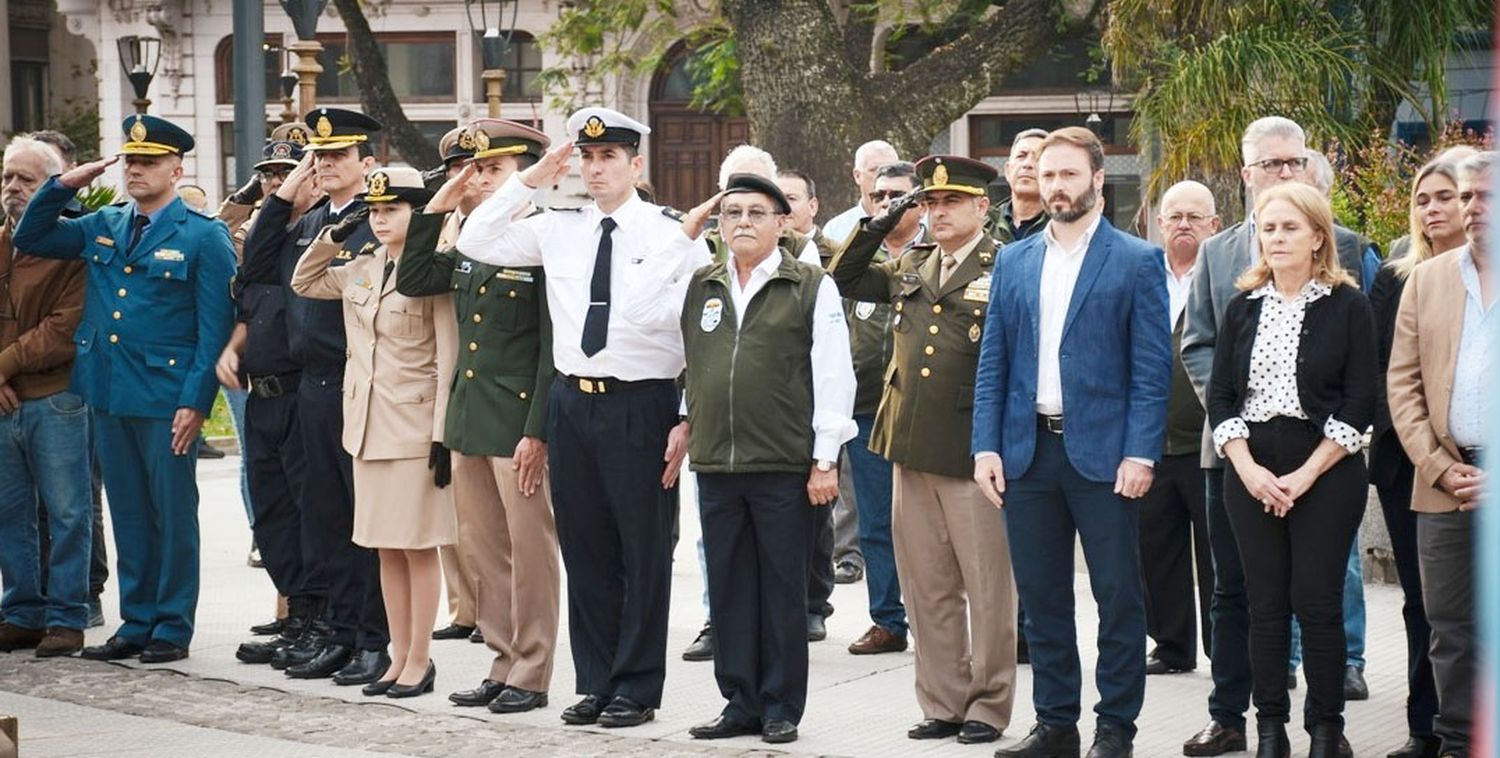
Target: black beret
[743,183]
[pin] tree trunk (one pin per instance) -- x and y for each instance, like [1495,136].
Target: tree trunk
[375,93]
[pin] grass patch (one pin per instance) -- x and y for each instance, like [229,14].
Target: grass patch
[219,423]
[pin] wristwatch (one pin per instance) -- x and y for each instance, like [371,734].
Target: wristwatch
[825,466]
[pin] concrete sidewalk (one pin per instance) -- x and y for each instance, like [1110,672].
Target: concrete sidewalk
[858,706]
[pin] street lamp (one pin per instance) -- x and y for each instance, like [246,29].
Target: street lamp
[493,45]
[304,15]
[1095,99]
[138,57]
[288,88]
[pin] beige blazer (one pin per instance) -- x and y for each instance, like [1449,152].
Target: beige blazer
[398,348]
[1419,383]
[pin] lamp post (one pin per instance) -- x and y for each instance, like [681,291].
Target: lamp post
[1093,120]
[304,15]
[139,57]
[493,45]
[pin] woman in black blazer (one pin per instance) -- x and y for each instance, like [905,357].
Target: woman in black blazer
[1292,391]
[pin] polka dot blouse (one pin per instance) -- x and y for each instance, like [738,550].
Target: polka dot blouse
[1272,387]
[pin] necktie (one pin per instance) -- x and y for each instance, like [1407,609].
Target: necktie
[596,323]
[137,231]
[948,264]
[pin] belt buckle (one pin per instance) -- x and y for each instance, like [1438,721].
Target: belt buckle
[590,387]
[1054,424]
[267,387]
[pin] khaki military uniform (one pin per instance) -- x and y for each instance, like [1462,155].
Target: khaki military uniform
[952,554]
[507,555]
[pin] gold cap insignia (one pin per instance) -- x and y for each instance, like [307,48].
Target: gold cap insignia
[138,130]
[379,183]
[324,127]
[296,136]
[594,127]
[466,141]
[974,333]
[481,140]
[940,175]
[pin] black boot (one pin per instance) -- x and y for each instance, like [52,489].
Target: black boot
[1328,742]
[1273,742]
[291,630]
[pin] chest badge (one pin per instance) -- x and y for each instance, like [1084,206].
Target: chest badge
[863,311]
[974,333]
[713,313]
[465,266]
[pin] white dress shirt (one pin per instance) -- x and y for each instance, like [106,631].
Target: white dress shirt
[1060,269]
[1177,290]
[564,243]
[1468,410]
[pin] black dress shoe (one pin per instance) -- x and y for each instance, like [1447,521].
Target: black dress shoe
[622,711]
[1045,741]
[364,666]
[817,627]
[161,651]
[326,663]
[1328,742]
[934,729]
[1354,684]
[1271,740]
[1110,742]
[314,637]
[702,648]
[476,636]
[977,732]
[722,728]
[847,572]
[453,632]
[116,649]
[1417,747]
[777,731]
[422,687]
[1156,666]
[517,700]
[269,629]
[1215,739]
[478,697]
[585,711]
[377,688]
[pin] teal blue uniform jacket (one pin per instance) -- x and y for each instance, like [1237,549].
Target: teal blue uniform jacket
[154,321]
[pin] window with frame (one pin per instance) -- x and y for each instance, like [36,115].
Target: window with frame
[991,135]
[523,62]
[421,66]
[275,62]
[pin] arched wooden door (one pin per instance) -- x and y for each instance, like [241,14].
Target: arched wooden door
[687,144]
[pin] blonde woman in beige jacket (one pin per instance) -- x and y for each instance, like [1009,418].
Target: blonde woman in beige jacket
[394,399]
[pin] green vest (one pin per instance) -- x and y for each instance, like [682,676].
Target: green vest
[749,387]
[504,368]
[1184,412]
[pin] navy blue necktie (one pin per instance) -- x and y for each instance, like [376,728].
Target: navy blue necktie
[596,323]
[137,232]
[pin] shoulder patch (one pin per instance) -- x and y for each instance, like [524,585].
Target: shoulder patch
[672,213]
[564,210]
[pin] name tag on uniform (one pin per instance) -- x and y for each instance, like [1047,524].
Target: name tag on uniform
[908,277]
[464,266]
[167,255]
[512,275]
[105,241]
[978,290]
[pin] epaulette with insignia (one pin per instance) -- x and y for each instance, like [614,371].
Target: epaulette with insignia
[367,249]
[569,210]
[672,213]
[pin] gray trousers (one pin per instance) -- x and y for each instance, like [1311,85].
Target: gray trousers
[1445,550]
[846,521]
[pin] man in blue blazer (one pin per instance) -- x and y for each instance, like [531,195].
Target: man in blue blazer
[157,312]
[1070,406]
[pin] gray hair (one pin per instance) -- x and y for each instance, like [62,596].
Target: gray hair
[1319,171]
[1477,164]
[1456,154]
[879,145]
[742,155]
[1029,133]
[51,160]
[1268,126]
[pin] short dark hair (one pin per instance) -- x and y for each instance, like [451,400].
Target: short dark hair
[366,150]
[58,140]
[792,173]
[631,151]
[1080,137]
[899,170]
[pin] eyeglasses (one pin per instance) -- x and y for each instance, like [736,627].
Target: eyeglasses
[1192,218]
[1274,165]
[757,216]
[880,195]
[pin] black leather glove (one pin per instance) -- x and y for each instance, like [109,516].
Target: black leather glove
[249,193]
[440,460]
[887,220]
[346,226]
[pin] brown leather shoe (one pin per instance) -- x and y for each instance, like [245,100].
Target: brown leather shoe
[877,640]
[60,641]
[1215,739]
[14,637]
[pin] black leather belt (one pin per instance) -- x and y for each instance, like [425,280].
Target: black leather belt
[1051,424]
[275,385]
[1471,455]
[605,385]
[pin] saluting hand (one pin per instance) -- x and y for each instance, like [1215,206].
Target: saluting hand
[550,169]
[697,218]
[887,219]
[84,175]
[677,447]
[452,192]
[185,427]
[530,462]
[823,486]
[299,176]
[344,229]
[989,474]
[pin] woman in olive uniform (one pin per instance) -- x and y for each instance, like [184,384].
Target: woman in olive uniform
[393,418]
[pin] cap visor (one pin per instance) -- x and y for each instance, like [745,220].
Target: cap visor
[130,149]
[964,188]
[288,162]
[317,147]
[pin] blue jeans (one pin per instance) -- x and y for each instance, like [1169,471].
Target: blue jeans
[44,455]
[1354,616]
[872,496]
[236,399]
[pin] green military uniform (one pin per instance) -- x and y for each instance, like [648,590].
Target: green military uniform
[870,338]
[1000,223]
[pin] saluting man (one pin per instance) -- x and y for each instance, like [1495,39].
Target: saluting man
[156,314]
[612,409]
[952,555]
[497,419]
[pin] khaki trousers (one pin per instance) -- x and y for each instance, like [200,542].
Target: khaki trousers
[460,587]
[508,545]
[953,561]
